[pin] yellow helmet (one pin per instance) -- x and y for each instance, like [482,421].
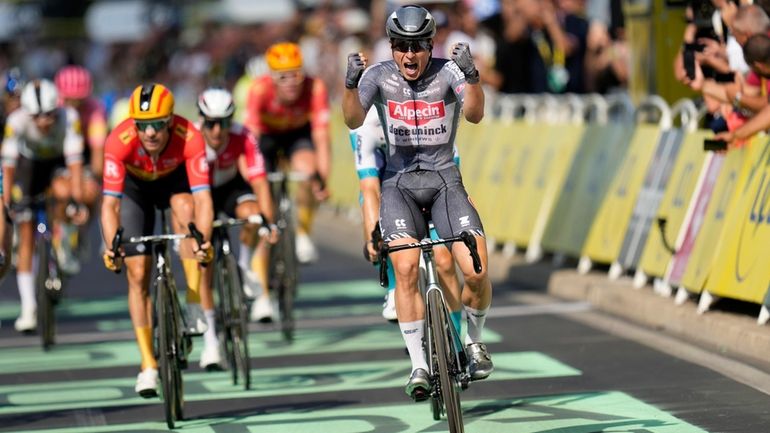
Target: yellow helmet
[284,56]
[150,101]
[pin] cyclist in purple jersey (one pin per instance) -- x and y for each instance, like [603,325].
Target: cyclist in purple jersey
[419,100]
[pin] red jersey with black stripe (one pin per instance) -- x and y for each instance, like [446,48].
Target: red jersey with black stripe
[124,156]
[266,114]
[224,162]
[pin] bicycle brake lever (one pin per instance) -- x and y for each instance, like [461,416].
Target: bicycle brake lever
[470,241]
[384,280]
[116,246]
[198,236]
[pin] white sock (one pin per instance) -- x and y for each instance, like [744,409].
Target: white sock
[476,319]
[244,257]
[26,283]
[210,336]
[413,333]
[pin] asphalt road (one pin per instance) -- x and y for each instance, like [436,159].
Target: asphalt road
[560,367]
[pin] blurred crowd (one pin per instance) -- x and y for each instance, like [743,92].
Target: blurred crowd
[725,56]
[521,46]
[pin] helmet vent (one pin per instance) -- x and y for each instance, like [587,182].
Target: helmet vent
[145,96]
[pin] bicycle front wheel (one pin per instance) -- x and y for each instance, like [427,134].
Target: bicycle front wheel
[45,307]
[239,319]
[287,270]
[170,376]
[445,356]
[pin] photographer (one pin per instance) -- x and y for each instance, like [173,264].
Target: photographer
[716,69]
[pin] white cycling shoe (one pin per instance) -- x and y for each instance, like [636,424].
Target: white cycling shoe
[27,321]
[389,307]
[211,359]
[196,319]
[306,251]
[251,286]
[262,310]
[147,383]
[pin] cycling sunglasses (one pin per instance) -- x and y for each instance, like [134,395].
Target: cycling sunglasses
[415,46]
[156,125]
[223,123]
[48,114]
[288,77]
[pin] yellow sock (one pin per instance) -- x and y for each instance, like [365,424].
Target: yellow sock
[192,274]
[144,340]
[259,267]
[305,216]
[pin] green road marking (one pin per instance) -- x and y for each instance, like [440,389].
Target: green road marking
[265,383]
[126,353]
[362,290]
[573,413]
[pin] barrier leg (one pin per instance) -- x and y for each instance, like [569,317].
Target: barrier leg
[764,315]
[509,250]
[705,302]
[584,265]
[616,271]
[640,279]
[682,295]
[534,253]
[662,288]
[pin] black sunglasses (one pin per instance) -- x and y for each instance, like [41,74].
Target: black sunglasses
[48,114]
[223,123]
[415,46]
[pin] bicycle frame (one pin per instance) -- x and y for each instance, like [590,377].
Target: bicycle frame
[49,283]
[284,269]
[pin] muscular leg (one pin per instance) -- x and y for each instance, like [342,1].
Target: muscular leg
[140,306]
[410,306]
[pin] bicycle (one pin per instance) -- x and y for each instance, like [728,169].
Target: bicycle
[446,357]
[233,311]
[172,342]
[284,266]
[49,280]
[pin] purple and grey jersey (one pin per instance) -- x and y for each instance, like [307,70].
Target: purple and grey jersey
[419,117]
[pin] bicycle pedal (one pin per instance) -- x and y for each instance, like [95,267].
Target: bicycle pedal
[420,394]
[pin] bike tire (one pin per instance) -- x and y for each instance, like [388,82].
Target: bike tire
[444,354]
[45,306]
[225,307]
[288,282]
[167,359]
[240,318]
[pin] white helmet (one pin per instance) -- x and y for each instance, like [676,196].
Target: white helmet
[39,96]
[216,103]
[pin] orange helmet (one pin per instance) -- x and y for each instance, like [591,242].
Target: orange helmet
[150,101]
[284,56]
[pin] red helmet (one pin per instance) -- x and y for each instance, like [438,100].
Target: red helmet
[73,82]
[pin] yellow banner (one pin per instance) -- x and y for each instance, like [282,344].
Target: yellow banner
[596,161]
[702,256]
[343,182]
[542,177]
[741,268]
[609,226]
[673,206]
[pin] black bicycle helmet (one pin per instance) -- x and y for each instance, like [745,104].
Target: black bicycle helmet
[410,22]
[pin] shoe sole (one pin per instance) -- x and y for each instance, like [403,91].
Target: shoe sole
[148,393]
[476,376]
[213,367]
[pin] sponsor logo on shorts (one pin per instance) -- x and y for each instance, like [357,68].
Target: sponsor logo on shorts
[465,221]
[400,223]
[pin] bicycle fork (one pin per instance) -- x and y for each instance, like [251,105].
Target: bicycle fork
[460,362]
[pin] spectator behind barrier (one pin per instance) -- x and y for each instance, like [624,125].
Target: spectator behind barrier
[757,54]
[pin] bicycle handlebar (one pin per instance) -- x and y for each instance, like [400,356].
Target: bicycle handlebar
[466,237]
[257,219]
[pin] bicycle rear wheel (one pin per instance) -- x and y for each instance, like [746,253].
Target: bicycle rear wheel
[239,319]
[45,303]
[222,283]
[445,360]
